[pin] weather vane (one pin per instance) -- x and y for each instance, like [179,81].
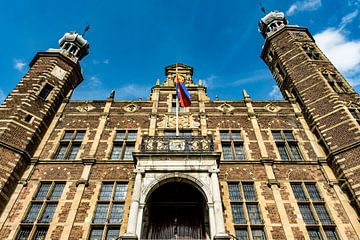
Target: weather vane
[87,28]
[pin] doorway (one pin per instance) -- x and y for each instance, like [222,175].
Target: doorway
[176,210]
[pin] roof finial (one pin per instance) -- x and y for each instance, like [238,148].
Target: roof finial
[87,28]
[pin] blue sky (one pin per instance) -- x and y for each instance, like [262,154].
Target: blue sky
[132,41]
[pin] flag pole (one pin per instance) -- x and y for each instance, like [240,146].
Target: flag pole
[177,104]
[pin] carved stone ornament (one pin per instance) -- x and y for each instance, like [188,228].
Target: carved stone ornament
[131,107]
[185,121]
[351,104]
[272,108]
[86,107]
[225,107]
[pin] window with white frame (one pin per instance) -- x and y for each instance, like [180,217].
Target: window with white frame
[41,211]
[313,211]
[123,145]
[245,211]
[232,145]
[70,145]
[109,209]
[287,146]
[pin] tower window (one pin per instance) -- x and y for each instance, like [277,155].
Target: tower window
[287,146]
[245,210]
[124,145]
[42,209]
[45,91]
[311,52]
[70,145]
[109,211]
[334,81]
[173,104]
[232,145]
[355,113]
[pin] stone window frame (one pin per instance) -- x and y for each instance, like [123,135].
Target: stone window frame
[123,144]
[45,91]
[355,113]
[287,146]
[312,201]
[173,97]
[39,223]
[312,52]
[238,198]
[111,201]
[234,144]
[335,81]
[65,149]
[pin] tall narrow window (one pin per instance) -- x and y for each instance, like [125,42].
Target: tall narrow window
[232,145]
[355,113]
[41,211]
[109,211]
[245,210]
[45,91]
[311,52]
[335,82]
[313,211]
[287,146]
[124,145]
[70,145]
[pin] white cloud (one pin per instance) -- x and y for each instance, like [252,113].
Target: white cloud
[305,5]
[348,18]
[132,91]
[275,93]
[341,51]
[209,81]
[94,82]
[19,64]
[105,61]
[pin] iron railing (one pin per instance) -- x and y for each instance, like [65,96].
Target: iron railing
[182,144]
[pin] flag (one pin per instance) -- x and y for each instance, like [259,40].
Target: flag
[181,91]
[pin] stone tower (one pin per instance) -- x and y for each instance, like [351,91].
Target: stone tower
[28,110]
[329,104]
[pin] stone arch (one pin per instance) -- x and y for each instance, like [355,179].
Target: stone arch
[176,177]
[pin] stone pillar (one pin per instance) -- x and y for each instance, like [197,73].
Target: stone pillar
[218,211]
[134,208]
[212,220]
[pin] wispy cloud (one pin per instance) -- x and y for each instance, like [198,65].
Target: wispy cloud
[19,64]
[348,18]
[344,53]
[133,91]
[105,61]
[304,5]
[275,93]
[94,81]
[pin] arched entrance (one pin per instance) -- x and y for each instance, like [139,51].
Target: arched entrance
[176,210]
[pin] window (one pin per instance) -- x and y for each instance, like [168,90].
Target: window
[335,82]
[70,145]
[311,52]
[109,210]
[41,211]
[232,145]
[173,104]
[245,210]
[287,146]
[45,91]
[182,133]
[355,113]
[124,145]
[313,211]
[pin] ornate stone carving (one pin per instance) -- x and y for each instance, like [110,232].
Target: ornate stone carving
[225,107]
[86,107]
[272,108]
[131,107]
[185,121]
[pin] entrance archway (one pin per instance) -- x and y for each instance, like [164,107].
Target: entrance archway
[176,210]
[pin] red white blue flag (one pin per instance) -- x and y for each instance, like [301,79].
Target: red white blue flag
[181,91]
